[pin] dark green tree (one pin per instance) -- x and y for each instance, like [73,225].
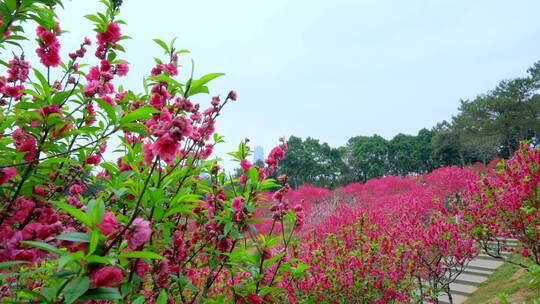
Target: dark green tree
[493,124]
[411,154]
[404,155]
[369,157]
[310,162]
[445,146]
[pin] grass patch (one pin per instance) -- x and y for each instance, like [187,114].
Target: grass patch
[507,279]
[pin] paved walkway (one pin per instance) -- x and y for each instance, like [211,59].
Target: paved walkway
[476,272]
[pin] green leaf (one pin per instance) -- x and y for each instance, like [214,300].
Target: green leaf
[141,255]
[126,289]
[162,298]
[102,293]
[94,240]
[136,128]
[69,257]
[64,273]
[75,289]
[11,4]
[138,114]
[103,17]
[198,86]
[162,44]
[205,79]
[27,105]
[198,90]
[185,209]
[108,109]
[227,228]
[95,210]
[172,82]
[186,282]
[111,56]
[74,237]
[139,300]
[7,264]
[5,275]
[32,93]
[111,168]
[99,260]
[266,184]
[43,246]
[60,96]
[301,267]
[2,62]
[234,155]
[266,290]
[76,213]
[17,37]
[33,294]
[253,175]
[274,258]
[93,18]
[44,83]
[49,293]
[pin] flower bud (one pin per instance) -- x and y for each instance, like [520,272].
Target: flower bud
[232,95]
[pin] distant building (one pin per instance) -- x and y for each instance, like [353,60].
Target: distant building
[258,154]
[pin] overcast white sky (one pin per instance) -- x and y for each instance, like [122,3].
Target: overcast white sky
[331,69]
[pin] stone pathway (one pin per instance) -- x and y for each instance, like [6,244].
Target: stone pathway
[476,272]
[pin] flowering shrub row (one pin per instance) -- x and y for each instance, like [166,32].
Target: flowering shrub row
[506,204]
[389,240]
[404,239]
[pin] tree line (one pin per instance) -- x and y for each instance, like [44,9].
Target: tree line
[488,126]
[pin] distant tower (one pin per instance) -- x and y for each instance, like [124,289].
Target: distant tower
[259,154]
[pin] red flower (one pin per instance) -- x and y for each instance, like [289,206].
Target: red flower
[122,68]
[18,70]
[75,189]
[236,203]
[148,154]
[111,34]
[277,153]
[91,88]
[224,245]
[106,276]
[93,159]
[166,148]
[108,224]
[25,255]
[242,179]
[25,143]
[232,95]
[7,174]
[157,101]
[49,47]
[270,161]
[138,233]
[13,91]
[238,216]
[182,127]
[21,209]
[245,164]
[172,69]
[254,298]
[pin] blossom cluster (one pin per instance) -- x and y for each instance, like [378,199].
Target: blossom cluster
[373,241]
[505,204]
[160,223]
